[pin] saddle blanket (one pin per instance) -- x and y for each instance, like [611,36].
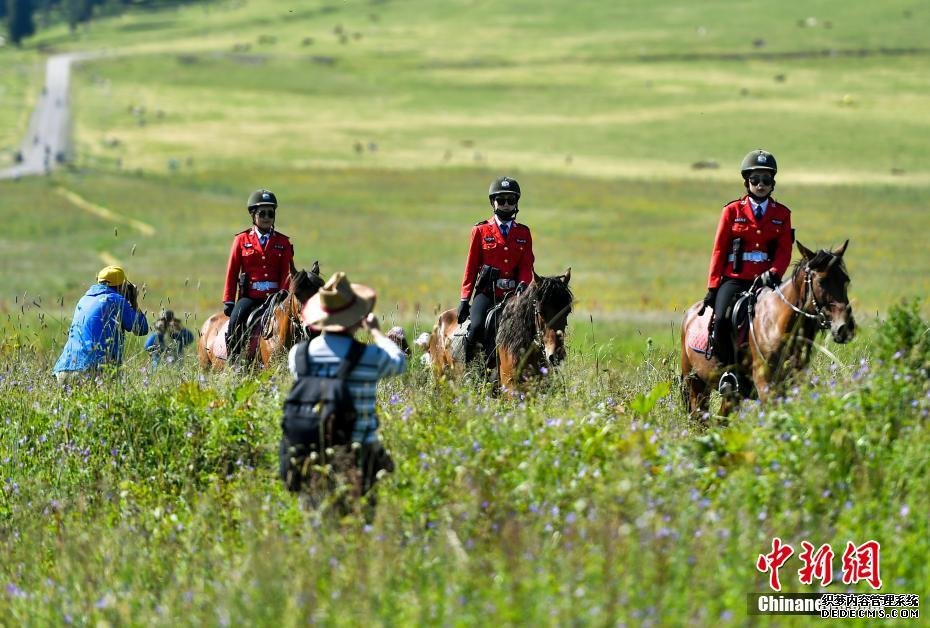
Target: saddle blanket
[697,338]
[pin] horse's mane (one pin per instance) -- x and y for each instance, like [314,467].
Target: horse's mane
[824,261]
[517,329]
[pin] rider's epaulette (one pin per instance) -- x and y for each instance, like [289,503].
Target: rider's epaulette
[478,224]
[244,231]
[281,234]
[520,224]
[735,200]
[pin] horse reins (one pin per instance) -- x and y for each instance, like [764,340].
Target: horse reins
[822,321]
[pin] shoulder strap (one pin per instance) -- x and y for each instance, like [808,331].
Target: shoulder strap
[303,366]
[351,359]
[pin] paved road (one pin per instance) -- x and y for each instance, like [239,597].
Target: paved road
[47,142]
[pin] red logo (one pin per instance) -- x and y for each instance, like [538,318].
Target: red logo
[859,563]
[773,561]
[817,564]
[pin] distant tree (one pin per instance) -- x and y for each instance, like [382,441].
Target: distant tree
[78,11]
[2,9]
[19,20]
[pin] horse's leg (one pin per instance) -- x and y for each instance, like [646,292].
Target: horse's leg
[695,394]
[505,366]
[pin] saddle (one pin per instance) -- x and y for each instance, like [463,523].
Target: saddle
[491,321]
[739,313]
[260,315]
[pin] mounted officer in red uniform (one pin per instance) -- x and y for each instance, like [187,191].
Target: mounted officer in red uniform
[754,239]
[500,261]
[260,264]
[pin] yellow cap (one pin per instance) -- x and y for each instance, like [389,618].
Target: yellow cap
[112,276]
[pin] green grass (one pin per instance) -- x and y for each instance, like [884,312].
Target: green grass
[21,78]
[152,498]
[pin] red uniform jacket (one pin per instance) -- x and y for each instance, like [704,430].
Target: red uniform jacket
[512,256]
[268,269]
[767,242]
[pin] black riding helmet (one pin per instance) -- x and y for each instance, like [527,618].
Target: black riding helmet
[503,185]
[262,197]
[758,160]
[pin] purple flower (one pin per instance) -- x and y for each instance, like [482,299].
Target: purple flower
[14,591]
[905,510]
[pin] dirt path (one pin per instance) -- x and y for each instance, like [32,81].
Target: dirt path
[47,141]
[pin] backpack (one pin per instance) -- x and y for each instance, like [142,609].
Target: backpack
[318,414]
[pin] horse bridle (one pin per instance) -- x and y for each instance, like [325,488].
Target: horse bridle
[819,315]
[542,324]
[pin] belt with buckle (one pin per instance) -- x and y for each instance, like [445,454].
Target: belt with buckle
[506,284]
[751,256]
[264,286]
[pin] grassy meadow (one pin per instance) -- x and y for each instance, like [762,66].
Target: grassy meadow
[150,498]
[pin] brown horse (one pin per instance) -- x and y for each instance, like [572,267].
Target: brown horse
[285,328]
[280,333]
[530,337]
[782,331]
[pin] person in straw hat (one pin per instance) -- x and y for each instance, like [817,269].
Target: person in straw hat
[107,310]
[339,310]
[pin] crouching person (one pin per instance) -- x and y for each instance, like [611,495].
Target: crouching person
[107,310]
[167,342]
[330,425]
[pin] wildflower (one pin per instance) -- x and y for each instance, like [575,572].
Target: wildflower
[14,591]
[905,510]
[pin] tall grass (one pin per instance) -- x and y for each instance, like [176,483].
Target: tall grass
[152,497]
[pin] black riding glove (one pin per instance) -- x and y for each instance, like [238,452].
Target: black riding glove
[463,311]
[711,297]
[228,308]
[770,279]
[521,287]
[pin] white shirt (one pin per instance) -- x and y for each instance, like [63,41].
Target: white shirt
[500,223]
[755,206]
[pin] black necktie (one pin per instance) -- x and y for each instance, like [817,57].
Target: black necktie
[505,227]
[263,240]
[758,212]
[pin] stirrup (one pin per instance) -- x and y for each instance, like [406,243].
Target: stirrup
[729,384]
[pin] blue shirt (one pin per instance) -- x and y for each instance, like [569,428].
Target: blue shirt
[96,334]
[168,346]
[378,360]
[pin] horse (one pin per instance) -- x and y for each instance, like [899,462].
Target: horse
[285,328]
[280,333]
[783,326]
[530,334]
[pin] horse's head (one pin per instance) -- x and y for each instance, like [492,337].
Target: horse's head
[552,300]
[827,283]
[306,284]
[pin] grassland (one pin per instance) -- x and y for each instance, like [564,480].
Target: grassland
[151,499]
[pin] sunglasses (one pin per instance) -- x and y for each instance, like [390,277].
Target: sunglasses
[265,213]
[756,179]
[506,199]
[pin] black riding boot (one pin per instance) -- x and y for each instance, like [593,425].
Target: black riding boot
[469,350]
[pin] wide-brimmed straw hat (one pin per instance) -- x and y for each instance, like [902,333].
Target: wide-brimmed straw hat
[339,304]
[112,276]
